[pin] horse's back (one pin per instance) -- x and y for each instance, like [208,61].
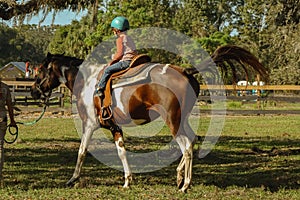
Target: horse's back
[167,91]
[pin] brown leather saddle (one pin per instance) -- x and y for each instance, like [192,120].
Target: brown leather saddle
[135,64]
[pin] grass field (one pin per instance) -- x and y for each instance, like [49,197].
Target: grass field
[256,157]
[252,105]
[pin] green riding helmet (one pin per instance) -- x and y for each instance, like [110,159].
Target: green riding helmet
[120,23]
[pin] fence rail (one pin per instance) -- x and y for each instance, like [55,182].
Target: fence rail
[20,91]
[21,95]
[252,93]
[251,87]
[258,94]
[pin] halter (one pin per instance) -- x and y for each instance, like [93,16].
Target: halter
[15,133]
[38,85]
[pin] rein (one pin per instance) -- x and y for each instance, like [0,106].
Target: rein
[38,87]
[46,98]
[16,131]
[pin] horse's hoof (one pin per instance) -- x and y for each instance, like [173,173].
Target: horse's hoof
[126,186]
[180,184]
[180,181]
[128,180]
[71,182]
[184,188]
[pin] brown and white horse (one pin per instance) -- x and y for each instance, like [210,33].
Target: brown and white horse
[169,92]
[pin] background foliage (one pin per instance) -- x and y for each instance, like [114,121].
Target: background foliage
[269,29]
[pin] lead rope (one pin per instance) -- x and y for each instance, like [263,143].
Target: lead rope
[16,131]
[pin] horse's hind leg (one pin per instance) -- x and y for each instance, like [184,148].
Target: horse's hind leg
[118,138]
[185,165]
[184,138]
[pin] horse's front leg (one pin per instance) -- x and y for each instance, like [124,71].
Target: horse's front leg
[86,137]
[118,137]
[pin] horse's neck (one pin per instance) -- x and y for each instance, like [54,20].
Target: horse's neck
[84,79]
[68,78]
[70,85]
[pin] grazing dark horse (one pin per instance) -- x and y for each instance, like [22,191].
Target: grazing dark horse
[169,92]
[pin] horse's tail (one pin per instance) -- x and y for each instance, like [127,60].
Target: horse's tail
[224,58]
[224,55]
[193,81]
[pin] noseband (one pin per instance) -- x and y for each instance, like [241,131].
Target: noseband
[38,86]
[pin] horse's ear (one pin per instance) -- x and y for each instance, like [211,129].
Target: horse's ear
[49,55]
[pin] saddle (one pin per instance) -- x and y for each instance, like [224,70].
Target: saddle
[135,66]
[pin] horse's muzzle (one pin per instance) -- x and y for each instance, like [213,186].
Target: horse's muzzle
[35,93]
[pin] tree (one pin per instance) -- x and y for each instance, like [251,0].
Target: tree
[17,8]
[284,45]
[70,39]
[274,38]
[200,18]
[288,13]
[140,14]
[23,43]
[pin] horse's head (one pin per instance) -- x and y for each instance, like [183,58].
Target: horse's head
[47,77]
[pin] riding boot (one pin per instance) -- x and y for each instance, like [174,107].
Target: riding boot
[99,92]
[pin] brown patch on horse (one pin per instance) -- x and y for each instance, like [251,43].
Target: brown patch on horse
[118,135]
[143,102]
[106,103]
[120,117]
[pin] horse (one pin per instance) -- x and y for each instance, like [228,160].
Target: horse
[169,91]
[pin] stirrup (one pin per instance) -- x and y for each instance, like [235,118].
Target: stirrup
[105,114]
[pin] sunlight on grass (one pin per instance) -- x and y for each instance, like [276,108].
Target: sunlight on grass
[256,157]
[252,105]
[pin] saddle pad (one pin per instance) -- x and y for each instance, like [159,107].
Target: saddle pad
[135,75]
[126,77]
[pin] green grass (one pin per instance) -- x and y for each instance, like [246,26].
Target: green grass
[252,105]
[256,157]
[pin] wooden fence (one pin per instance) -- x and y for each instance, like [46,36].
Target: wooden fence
[258,94]
[20,91]
[270,92]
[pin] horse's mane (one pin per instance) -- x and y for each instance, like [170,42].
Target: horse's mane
[68,60]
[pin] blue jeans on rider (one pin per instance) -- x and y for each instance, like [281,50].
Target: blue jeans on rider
[121,65]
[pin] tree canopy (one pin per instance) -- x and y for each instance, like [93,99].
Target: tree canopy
[20,8]
[273,38]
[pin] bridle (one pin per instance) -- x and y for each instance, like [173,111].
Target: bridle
[15,133]
[39,85]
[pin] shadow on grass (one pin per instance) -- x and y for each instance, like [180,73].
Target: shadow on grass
[236,161]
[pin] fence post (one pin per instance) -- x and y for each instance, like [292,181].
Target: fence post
[61,99]
[258,92]
[13,91]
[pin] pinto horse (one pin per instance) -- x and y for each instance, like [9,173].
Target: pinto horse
[169,92]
